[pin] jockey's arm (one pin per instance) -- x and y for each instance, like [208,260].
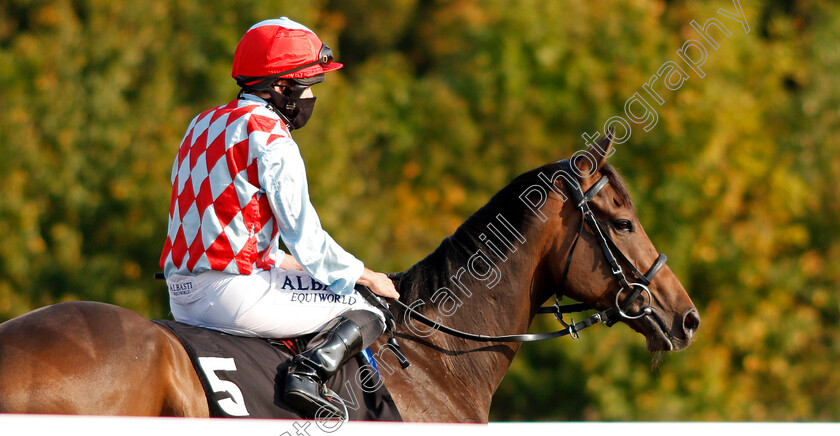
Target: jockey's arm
[283,176]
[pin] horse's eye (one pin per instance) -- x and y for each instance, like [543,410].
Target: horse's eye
[623,225]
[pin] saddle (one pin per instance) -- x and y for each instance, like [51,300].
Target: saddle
[243,377]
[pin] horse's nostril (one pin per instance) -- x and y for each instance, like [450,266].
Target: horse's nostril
[691,322]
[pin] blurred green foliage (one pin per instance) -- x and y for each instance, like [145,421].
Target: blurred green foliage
[440,104]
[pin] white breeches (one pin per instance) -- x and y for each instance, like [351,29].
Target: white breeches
[270,304]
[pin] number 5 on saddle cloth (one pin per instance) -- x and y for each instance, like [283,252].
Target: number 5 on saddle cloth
[243,377]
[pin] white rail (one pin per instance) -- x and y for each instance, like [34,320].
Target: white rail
[55,425]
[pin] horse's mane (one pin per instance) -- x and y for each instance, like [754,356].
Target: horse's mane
[436,269]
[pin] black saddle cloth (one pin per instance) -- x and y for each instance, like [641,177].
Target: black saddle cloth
[244,377]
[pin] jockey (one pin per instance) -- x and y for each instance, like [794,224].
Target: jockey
[238,187]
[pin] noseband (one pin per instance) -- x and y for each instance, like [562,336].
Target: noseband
[608,316]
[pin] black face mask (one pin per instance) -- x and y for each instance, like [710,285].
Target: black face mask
[303,111]
[295,111]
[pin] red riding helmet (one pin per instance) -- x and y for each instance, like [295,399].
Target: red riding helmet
[281,49]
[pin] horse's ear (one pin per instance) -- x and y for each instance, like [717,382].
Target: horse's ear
[605,146]
[596,154]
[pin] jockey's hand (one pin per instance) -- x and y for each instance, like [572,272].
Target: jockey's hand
[379,283]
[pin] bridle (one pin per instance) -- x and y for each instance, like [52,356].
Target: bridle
[614,313]
[608,316]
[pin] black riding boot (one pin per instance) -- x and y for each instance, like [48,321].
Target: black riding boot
[342,339]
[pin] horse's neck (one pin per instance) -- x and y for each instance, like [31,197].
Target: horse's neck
[451,378]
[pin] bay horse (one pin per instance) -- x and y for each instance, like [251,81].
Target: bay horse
[491,277]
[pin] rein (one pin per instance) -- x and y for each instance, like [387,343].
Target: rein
[608,316]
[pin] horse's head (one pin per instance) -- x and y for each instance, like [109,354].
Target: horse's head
[672,320]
